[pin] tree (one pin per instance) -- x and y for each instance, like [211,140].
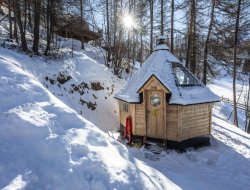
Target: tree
[151,3]
[10,19]
[207,42]
[247,111]
[172,27]
[162,17]
[191,44]
[248,129]
[50,19]
[37,13]
[108,32]
[18,17]
[81,12]
[234,63]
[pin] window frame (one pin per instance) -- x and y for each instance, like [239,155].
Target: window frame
[196,82]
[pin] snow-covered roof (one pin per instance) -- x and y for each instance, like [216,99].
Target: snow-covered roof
[159,64]
[162,47]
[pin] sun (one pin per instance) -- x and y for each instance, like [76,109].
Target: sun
[128,21]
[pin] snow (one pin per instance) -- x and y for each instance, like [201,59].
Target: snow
[45,144]
[16,183]
[159,64]
[162,47]
[223,87]
[223,165]
[82,68]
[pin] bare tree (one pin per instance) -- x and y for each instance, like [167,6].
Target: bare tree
[207,42]
[172,27]
[17,13]
[151,3]
[108,32]
[247,111]
[162,17]
[81,12]
[10,19]
[50,20]
[234,64]
[37,14]
[191,37]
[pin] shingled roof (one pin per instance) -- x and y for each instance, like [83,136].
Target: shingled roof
[162,64]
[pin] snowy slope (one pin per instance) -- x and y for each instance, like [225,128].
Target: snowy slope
[77,92]
[223,87]
[44,144]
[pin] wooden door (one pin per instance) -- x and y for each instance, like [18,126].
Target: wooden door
[155,113]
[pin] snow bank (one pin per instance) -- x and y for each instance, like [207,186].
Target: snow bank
[82,69]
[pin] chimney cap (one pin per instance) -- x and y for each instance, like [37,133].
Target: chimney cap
[161,40]
[161,37]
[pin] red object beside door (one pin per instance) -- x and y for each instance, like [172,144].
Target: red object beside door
[128,130]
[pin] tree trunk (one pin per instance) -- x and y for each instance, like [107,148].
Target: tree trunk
[188,45]
[193,50]
[141,33]
[25,16]
[29,16]
[15,30]
[10,19]
[248,129]
[81,11]
[162,17]
[50,23]
[207,43]
[17,13]
[37,13]
[191,41]
[151,24]
[247,113]
[172,27]
[234,64]
[108,35]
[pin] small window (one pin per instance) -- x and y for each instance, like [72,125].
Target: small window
[155,100]
[183,76]
[125,106]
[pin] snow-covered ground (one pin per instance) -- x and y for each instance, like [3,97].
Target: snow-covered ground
[45,144]
[223,87]
[89,90]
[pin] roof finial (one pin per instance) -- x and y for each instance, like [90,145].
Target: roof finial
[161,40]
[161,43]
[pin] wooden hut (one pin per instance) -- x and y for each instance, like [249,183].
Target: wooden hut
[71,27]
[166,102]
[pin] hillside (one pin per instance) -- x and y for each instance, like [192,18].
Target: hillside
[80,82]
[46,144]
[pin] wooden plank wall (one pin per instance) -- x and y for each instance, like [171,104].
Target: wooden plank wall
[140,121]
[194,120]
[172,122]
[124,114]
[182,122]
